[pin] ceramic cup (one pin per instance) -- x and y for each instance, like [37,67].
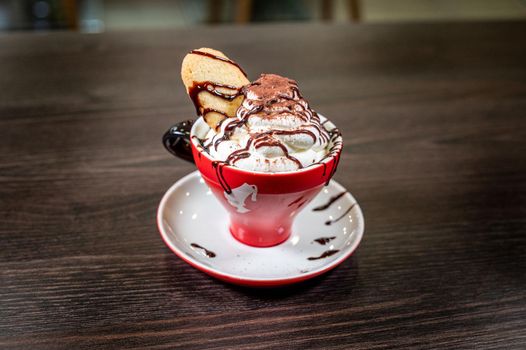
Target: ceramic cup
[262,206]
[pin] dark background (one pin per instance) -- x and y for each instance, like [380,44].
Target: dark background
[95,16]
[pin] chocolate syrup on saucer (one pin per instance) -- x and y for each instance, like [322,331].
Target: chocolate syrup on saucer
[331,200]
[324,240]
[324,254]
[208,253]
[330,222]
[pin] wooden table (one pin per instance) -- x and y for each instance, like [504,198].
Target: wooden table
[434,119]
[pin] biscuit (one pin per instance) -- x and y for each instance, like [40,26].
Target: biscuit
[213,81]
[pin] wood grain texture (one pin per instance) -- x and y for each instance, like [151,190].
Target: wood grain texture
[434,124]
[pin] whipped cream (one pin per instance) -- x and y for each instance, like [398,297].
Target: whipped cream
[274,130]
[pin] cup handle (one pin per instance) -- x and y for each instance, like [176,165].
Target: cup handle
[177,140]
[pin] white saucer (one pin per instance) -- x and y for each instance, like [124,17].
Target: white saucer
[190,217]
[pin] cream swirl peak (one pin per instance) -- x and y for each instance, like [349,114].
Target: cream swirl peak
[274,129]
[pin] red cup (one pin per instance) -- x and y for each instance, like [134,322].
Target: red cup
[262,206]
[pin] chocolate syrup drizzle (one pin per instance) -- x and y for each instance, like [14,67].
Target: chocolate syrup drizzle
[258,141]
[264,139]
[212,87]
[295,201]
[290,102]
[324,240]
[215,57]
[301,204]
[329,203]
[207,252]
[337,143]
[325,254]
[218,166]
[330,222]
